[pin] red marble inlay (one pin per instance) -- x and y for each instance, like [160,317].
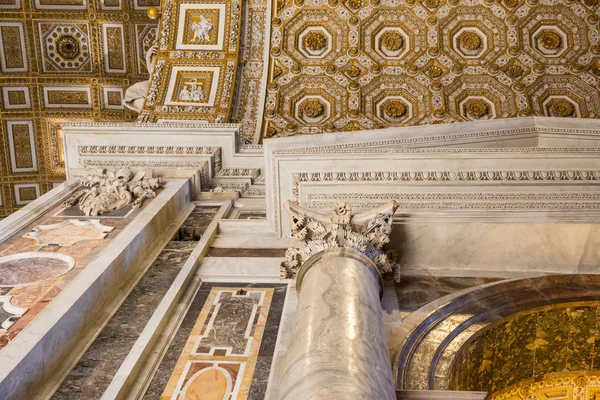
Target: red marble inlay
[29,270]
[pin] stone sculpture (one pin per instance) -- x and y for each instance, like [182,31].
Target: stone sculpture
[201,29]
[365,232]
[110,191]
[136,94]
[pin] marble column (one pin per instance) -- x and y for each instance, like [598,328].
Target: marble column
[338,348]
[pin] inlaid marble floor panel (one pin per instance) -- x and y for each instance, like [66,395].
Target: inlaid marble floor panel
[230,330]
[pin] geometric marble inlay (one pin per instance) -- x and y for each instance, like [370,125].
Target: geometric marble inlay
[69,233]
[9,313]
[220,354]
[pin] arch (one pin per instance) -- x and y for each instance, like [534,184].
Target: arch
[433,334]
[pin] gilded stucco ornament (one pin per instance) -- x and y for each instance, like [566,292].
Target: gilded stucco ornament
[392,40]
[562,108]
[434,71]
[469,41]
[394,109]
[353,71]
[67,47]
[550,40]
[365,232]
[477,108]
[514,71]
[315,40]
[201,29]
[105,191]
[312,108]
[431,3]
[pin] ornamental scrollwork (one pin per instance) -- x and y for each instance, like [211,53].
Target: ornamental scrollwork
[105,191]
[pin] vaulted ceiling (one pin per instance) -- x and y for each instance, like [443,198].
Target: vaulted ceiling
[317,66]
[61,60]
[287,67]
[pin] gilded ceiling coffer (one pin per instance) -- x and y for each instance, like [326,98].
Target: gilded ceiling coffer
[338,348]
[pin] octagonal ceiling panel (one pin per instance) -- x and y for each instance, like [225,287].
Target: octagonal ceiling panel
[317,66]
[386,63]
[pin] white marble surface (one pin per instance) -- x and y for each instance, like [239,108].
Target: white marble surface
[284,338]
[338,349]
[293,167]
[178,135]
[241,269]
[47,347]
[481,247]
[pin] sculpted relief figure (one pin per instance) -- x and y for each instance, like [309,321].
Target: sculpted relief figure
[135,95]
[110,191]
[201,29]
[193,92]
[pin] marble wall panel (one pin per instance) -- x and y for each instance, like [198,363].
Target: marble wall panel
[94,371]
[227,332]
[562,248]
[225,344]
[39,291]
[196,223]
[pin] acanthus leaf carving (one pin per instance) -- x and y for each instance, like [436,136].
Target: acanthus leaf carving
[104,191]
[365,232]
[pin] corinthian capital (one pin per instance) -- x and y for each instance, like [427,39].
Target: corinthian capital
[366,232]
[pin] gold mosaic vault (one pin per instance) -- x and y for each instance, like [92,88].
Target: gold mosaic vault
[517,352]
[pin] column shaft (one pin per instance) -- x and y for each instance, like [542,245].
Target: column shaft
[338,348]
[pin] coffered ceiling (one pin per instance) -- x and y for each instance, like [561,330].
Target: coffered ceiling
[61,60]
[316,66]
[287,67]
